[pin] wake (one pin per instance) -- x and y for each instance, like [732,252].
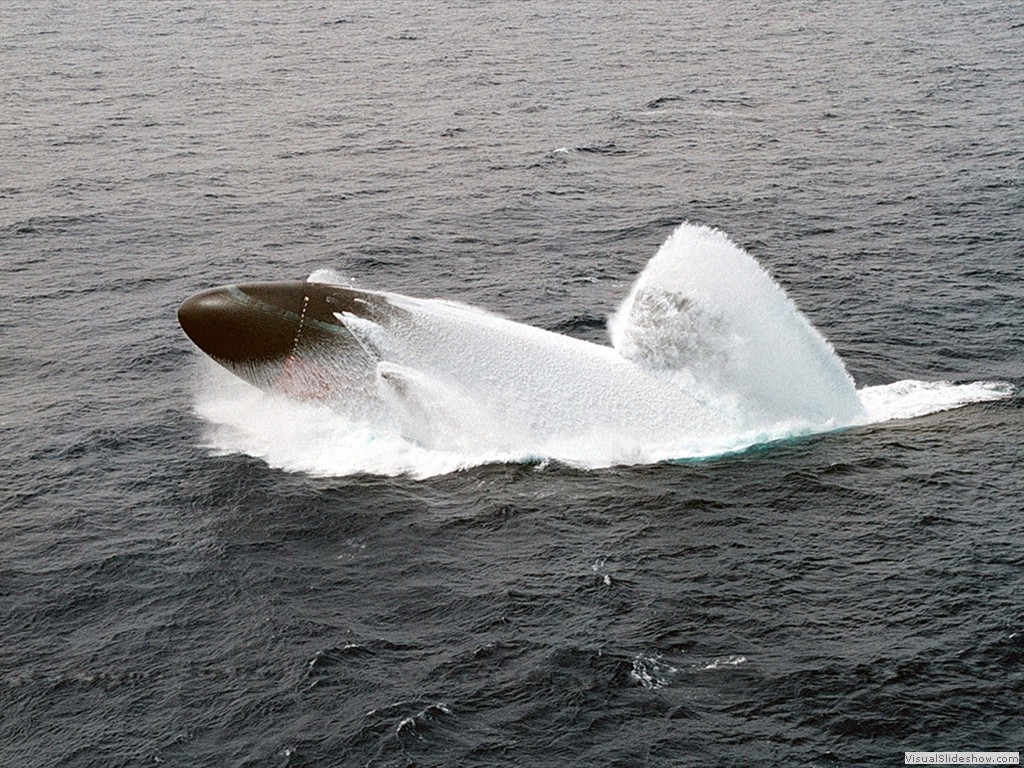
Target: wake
[708,357]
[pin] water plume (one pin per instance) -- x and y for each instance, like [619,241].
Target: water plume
[708,356]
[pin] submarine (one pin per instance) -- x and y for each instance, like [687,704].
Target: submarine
[706,344]
[430,366]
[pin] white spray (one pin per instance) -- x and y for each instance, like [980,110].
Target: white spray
[709,356]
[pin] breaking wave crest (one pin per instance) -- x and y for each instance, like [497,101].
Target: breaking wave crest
[708,357]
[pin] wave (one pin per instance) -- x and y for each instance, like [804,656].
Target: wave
[708,357]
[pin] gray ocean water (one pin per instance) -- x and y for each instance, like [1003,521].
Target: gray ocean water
[826,601]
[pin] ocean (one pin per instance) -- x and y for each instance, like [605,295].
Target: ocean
[196,573]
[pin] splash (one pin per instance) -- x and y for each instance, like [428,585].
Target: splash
[909,399]
[708,356]
[706,314]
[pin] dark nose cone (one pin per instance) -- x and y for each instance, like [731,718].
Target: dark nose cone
[266,332]
[246,325]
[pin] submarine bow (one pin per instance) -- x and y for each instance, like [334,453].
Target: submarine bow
[271,334]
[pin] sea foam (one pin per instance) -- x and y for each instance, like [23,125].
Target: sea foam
[709,356]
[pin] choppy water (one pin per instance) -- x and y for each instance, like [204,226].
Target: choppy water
[831,600]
